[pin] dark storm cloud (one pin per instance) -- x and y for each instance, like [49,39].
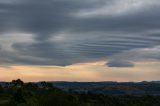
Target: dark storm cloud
[68,31]
[40,17]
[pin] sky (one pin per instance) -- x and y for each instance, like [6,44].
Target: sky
[74,40]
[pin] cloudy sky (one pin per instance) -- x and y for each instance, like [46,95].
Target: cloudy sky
[73,40]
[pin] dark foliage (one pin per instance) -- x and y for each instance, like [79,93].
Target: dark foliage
[45,94]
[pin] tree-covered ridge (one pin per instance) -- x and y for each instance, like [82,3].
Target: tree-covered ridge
[18,93]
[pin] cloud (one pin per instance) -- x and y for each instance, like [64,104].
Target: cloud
[127,58]
[117,63]
[114,8]
[53,32]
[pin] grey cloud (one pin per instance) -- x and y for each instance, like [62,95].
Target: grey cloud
[44,53]
[99,36]
[134,55]
[118,63]
[39,16]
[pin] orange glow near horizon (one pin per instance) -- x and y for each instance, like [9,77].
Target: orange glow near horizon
[91,71]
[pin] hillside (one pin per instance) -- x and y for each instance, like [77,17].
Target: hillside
[18,93]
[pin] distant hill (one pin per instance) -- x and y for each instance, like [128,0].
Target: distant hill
[108,88]
[112,88]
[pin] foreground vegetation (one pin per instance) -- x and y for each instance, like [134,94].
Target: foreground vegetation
[18,93]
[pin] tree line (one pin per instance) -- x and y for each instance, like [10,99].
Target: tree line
[18,93]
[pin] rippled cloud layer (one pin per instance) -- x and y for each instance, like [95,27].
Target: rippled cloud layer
[64,32]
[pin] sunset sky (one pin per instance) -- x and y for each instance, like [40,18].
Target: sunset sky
[80,40]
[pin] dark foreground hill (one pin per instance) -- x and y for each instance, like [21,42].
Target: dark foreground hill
[17,93]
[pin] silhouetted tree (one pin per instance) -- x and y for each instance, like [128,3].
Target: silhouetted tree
[1,89]
[30,86]
[46,85]
[17,83]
